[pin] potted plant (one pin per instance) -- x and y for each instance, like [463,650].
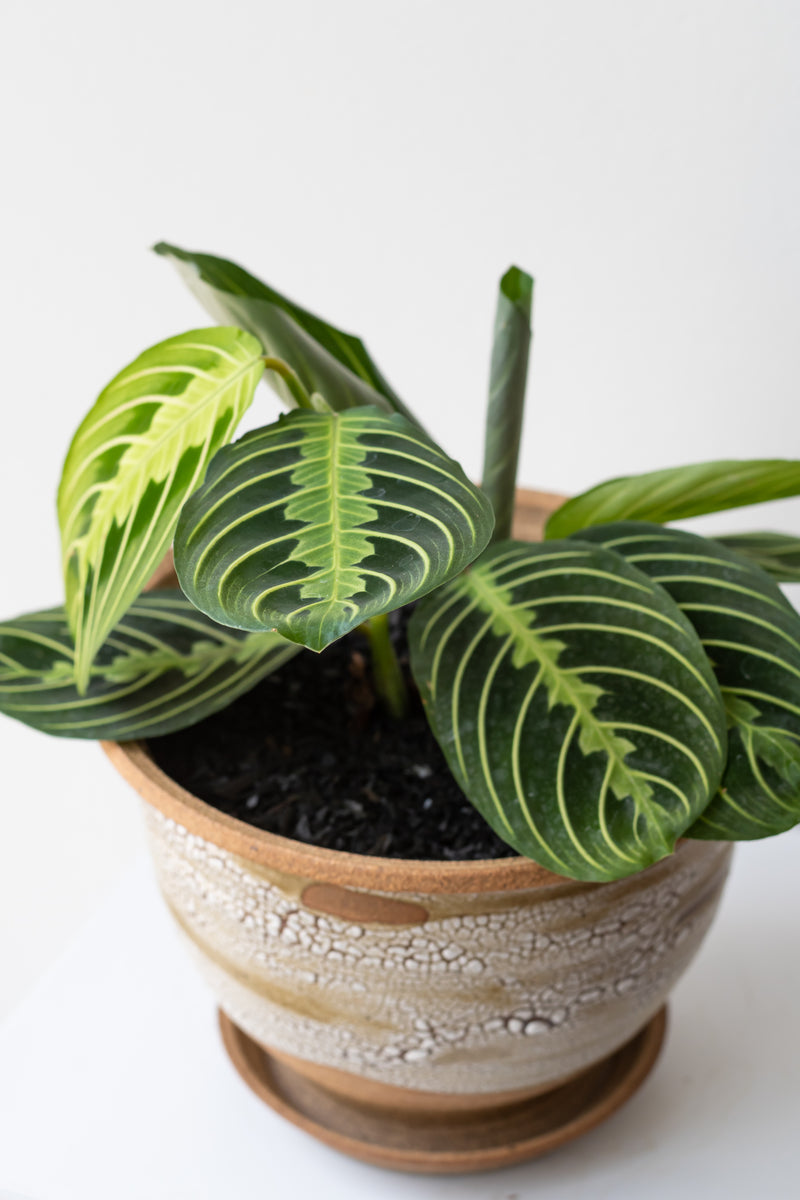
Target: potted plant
[615,704]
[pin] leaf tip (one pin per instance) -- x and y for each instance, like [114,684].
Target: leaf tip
[517,286]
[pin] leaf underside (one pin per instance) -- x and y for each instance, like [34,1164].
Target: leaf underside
[140,451]
[678,493]
[326,360]
[320,521]
[751,634]
[574,704]
[165,666]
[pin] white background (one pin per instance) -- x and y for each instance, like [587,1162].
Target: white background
[383,163]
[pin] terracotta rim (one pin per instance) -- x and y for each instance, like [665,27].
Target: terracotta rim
[134,763]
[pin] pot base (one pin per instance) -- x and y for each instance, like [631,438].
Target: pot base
[454,1142]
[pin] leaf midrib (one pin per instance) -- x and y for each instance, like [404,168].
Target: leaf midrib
[527,636]
[335,449]
[333,570]
[192,413]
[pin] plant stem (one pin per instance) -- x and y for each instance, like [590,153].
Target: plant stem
[507,379]
[386,671]
[299,393]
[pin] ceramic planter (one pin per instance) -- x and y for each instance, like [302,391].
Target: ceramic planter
[429,1016]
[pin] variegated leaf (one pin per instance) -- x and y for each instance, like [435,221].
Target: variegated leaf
[165,666]
[752,636]
[678,493]
[326,360]
[141,450]
[574,704]
[322,520]
[776,553]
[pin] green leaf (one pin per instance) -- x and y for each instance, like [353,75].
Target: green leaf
[752,636]
[678,493]
[776,553]
[322,520]
[507,379]
[326,360]
[165,666]
[140,451]
[574,704]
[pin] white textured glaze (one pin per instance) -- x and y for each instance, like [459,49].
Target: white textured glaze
[494,992]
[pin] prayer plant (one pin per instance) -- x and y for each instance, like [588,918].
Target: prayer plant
[597,695]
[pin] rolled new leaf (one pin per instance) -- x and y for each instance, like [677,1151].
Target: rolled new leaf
[678,493]
[141,450]
[574,703]
[507,380]
[314,524]
[327,360]
[751,634]
[776,553]
[164,667]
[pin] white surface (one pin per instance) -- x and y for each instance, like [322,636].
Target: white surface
[384,164]
[70,825]
[115,1084]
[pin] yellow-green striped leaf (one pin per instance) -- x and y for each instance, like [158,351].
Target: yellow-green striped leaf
[164,666]
[141,450]
[313,524]
[574,704]
[326,360]
[776,553]
[752,636]
[678,493]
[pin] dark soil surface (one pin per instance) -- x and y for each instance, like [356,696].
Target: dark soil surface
[310,754]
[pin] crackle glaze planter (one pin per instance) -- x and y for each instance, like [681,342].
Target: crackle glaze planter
[428,1016]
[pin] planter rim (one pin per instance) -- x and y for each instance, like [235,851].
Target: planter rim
[337,867]
[269,850]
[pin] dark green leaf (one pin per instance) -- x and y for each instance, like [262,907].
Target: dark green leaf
[326,360]
[322,520]
[678,493]
[507,379]
[574,704]
[165,666]
[752,635]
